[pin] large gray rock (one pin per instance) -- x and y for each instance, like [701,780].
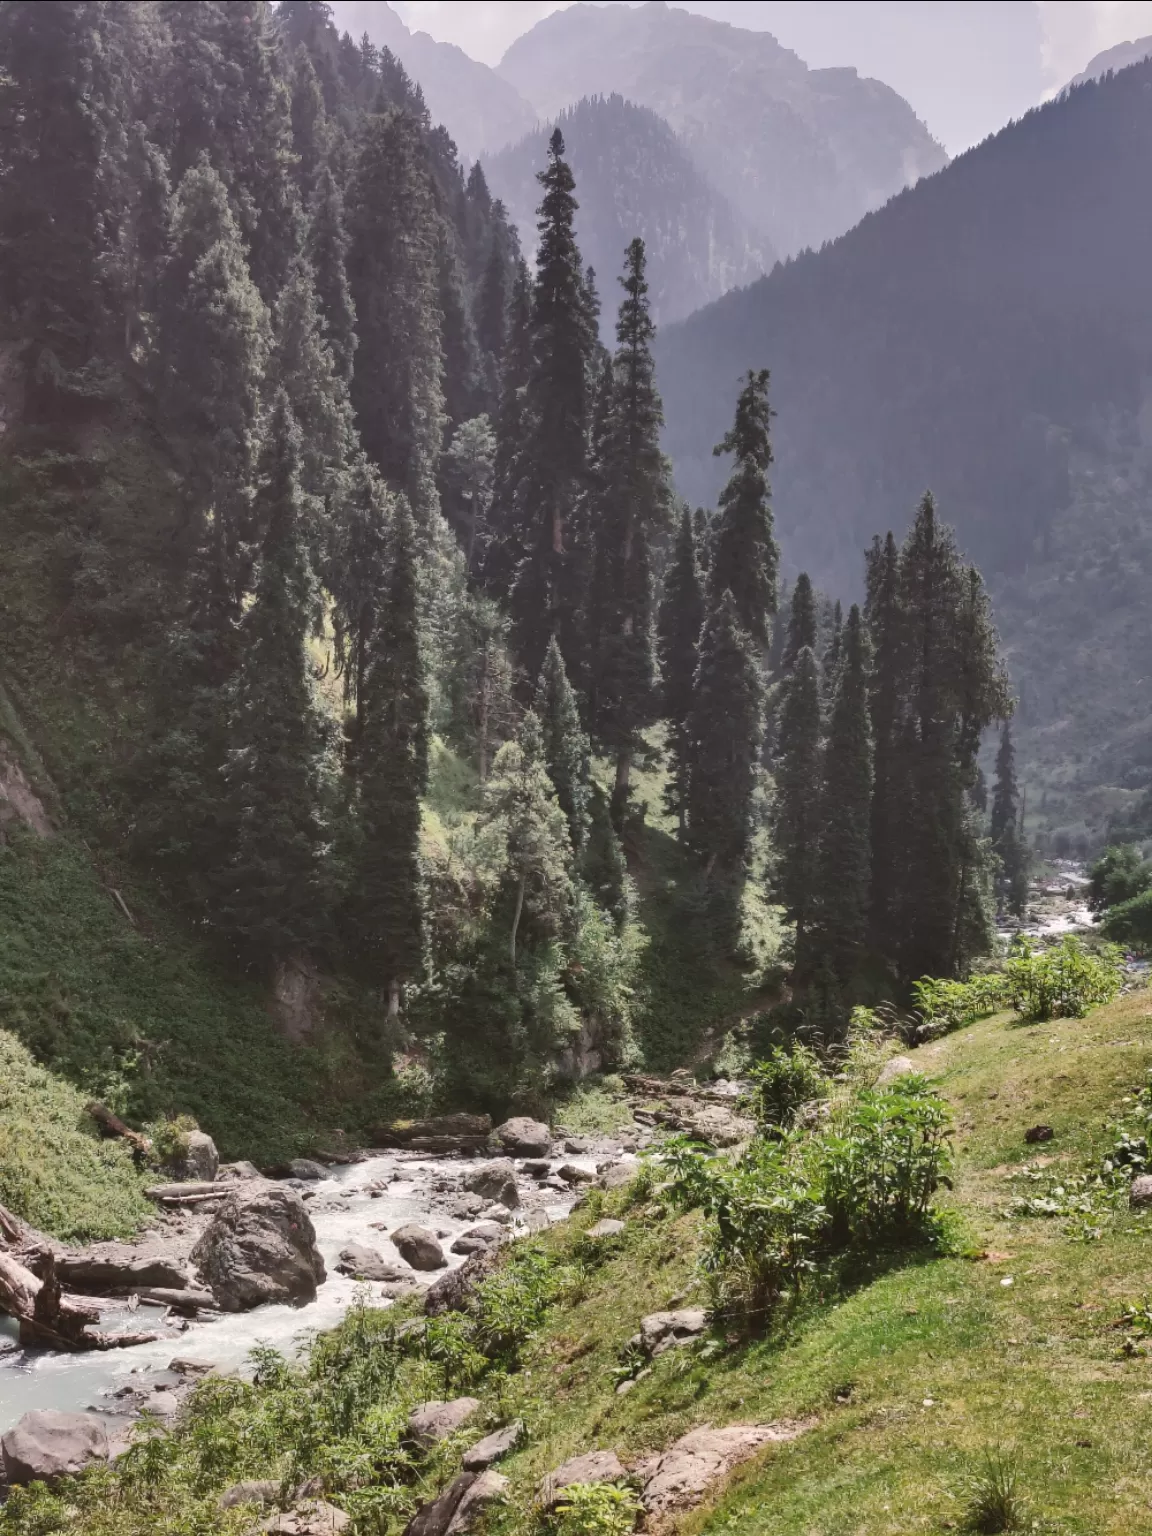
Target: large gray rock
[897,1067]
[670,1330]
[488,1488]
[435,1421]
[1140,1191]
[572,1173]
[684,1473]
[305,1168]
[235,1173]
[366,1264]
[523,1137]
[118,1267]
[200,1160]
[44,1446]
[454,1513]
[311,1518]
[494,1447]
[453,1292]
[419,1247]
[607,1226]
[494,1181]
[260,1247]
[616,1175]
[592,1467]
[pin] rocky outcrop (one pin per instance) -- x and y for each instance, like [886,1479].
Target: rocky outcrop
[522,1137]
[455,1512]
[260,1247]
[592,1467]
[45,1446]
[494,1447]
[893,1070]
[419,1247]
[661,1331]
[494,1181]
[435,1421]
[458,1134]
[683,1474]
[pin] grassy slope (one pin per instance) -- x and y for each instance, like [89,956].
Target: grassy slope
[913,1371]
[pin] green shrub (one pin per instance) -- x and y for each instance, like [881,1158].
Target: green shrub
[995,1504]
[953,1004]
[1118,875]
[595,1509]
[170,1137]
[1063,982]
[1131,921]
[788,1078]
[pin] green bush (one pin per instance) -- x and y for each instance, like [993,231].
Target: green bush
[788,1078]
[1118,875]
[595,1509]
[953,1004]
[1063,982]
[1131,921]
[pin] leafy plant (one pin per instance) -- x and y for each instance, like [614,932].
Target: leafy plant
[951,1005]
[170,1137]
[787,1078]
[995,1503]
[1063,982]
[596,1509]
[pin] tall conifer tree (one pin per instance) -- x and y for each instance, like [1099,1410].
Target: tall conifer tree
[386,906]
[564,743]
[327,248]
[744,556]
[882,613]
[1007,842]
[802,627]
[798,810]
[681,620]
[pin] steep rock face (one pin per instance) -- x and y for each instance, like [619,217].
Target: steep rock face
[635,177]
[801,153]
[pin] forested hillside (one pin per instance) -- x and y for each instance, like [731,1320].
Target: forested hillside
[986,334]
[636,178]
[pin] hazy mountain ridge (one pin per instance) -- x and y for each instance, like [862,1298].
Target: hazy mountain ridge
[802,154]
[986,334]
[1119,56]
[635,177]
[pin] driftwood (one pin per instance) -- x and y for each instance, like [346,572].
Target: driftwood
[180,1301]
[49,1317]
[112,1125]
[190,1191]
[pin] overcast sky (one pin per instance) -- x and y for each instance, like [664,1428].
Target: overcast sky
[966,66]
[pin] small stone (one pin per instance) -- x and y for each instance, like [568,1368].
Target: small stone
[1037,1133]
[435,1421]
[494,1447]
[419,1247]
[367,1264]
[253,1491]
[465,1244]
[182,1367]
[577,1146]
[672,1330]
[499,1213]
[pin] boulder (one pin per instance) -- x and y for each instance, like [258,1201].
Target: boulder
[536,1167]
[199,1160]
[253,1491]
[260,1247]
[1140,1191]
[608,1226]
[897,1067]
[577,1145]
[435,1421]
[44,1446]
[671,1330]
[311,1518]
[466,1245]
[488,1488]
[572,1173]
[234,1173]
[419,1247]
[366,1264]
[718,1125]
[524,1138]
[445,1134]
[616,1175]
[683,1474]
[305,1168]
[464,1207]
[538,1221]
[494,1447]
[118,1267]
[494,1181]
[592,1467]
[454,1512]
[453,1291]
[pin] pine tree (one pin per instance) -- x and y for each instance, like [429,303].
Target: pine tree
[501,550]
[833,653]
[270,894]
[521,798]
[744,556]
[467,471]
[802,628]
[628,513]
[548,582]
[798,809]
[1007,844]
[724,734]
[845,862]
[385,904]
[311,134]
[882,614]
[482,712]
[565,744]
[393,274]
[681,620]
[355,574]
[492,309]
[327,248]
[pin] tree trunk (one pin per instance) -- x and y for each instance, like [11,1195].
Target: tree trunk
[516,917]
[621,787]
[47,1316]
[393,999]
[482,723]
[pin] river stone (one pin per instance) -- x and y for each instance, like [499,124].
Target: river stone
[453,1291]
[536,1167]
[233,1173]
[418,1247]
[683,1474]
[592,1467]
[312,1518]
[577,1145]
[670,1330]
[1140,1191]
[494,1181]
[897,1067]
[616,1175]
[260,1247]
[524,1138]
[494,1447]
[571,1173]
[466,1244]
[46,1445]
[305,1168]
[366,1264]
[608,1226]
[435,1421]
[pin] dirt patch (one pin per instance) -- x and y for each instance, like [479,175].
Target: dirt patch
[18,800]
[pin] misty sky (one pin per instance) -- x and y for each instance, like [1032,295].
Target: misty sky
[966,66]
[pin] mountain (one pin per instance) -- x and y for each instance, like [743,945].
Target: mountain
[986,334]
[634,177]
[802,154]
[479,109]
[1118,57]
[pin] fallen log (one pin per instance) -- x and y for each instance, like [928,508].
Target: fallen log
[50,1318]
[112,1125]
[190,1191]
[11,1227]
[180,1301]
